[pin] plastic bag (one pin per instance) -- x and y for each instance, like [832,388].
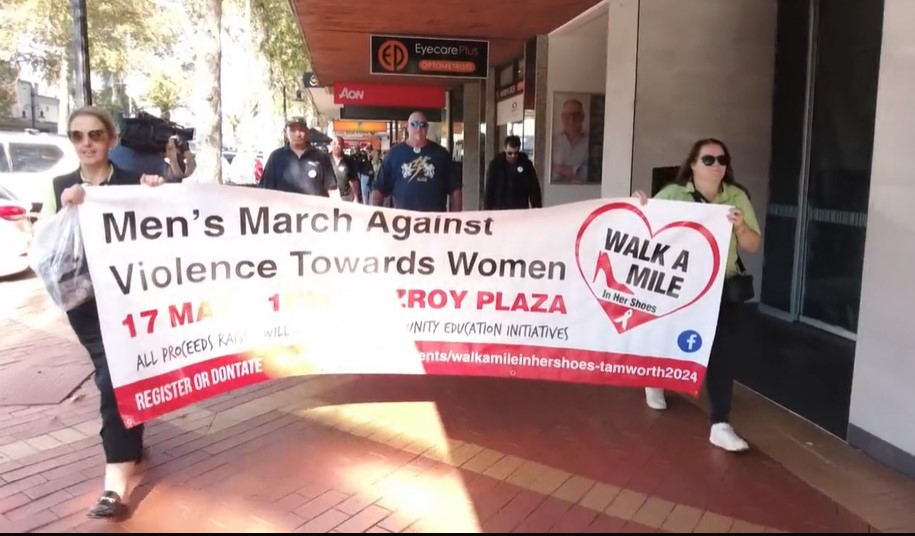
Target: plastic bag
[58,257]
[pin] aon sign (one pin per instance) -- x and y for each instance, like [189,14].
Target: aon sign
[351,94]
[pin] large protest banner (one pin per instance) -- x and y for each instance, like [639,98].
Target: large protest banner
[203,289]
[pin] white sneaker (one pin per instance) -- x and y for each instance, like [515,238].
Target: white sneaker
[654,397]
[724,436]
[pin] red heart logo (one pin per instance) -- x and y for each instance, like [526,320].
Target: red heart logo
[643,293]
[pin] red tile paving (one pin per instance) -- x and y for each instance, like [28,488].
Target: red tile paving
[280,472]
[609,435]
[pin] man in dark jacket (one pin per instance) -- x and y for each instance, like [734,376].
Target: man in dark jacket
[511,180]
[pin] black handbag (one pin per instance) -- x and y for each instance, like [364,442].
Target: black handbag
[737,288]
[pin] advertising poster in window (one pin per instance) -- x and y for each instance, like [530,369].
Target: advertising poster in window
[577,138]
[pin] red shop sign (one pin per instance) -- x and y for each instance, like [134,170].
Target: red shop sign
[398,96]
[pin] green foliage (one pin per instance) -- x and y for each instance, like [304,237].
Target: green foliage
[9,72]
[112,98]
[165,91]
[281,42]
[120,32]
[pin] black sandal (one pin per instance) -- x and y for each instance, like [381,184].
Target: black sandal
[109,506]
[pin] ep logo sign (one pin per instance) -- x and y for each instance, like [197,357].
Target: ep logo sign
[689,341]
[393,56]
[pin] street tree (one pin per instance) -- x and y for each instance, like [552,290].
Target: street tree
[165,91]
[281,43]
[121,33]
[9,72]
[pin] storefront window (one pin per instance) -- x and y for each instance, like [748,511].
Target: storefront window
[523,129]
[527,138]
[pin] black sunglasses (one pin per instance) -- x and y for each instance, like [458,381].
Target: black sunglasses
[77,136]
[709,160]
[419,124]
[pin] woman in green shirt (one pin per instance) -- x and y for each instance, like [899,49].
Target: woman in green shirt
[708,171]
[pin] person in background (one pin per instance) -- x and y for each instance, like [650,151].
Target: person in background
[93,134]
[179,160]
[511,180]
[418,174]
[345,172]
[376,157]
[130,159]
[299,167]
[374,164]
[365,163]
[708,172]
[175,163]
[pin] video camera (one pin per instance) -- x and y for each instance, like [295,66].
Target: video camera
[150,134]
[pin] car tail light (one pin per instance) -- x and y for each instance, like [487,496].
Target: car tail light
[12,212]
[258,170]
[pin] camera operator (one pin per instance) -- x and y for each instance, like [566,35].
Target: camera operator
[145,149]
[136,161]
[179,160]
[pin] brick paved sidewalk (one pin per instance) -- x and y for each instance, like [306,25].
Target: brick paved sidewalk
[407,454]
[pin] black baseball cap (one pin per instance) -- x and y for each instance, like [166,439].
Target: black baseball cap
[297,120]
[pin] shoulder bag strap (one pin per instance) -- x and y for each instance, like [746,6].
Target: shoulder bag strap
[701,199]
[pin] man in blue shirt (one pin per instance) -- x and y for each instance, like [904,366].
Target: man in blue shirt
[419,174]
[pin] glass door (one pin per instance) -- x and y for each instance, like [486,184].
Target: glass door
[790,122]
[827,66]
[838,176]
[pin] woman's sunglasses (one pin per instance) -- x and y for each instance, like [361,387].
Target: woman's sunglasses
[76,136]
[709,160]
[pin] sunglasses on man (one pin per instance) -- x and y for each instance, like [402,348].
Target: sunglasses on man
[419,124]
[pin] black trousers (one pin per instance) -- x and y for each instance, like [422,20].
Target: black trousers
[120,443]
[719,375]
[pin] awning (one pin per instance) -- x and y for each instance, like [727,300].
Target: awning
[338,34]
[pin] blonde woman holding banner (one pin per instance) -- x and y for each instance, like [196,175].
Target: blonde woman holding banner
[93,134]
[707,176]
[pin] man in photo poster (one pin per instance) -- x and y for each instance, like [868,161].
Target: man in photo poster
[570,145]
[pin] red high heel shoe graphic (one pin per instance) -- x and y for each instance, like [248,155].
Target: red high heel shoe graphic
[619,313]
[603,265]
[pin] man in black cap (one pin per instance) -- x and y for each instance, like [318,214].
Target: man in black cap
[298,167]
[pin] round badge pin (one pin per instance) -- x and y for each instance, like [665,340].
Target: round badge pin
[312,173]
[520,169]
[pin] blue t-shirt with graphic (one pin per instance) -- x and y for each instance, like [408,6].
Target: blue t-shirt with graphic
[419,181]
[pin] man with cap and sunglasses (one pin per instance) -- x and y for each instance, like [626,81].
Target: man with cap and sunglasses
[419,174]
[298,167]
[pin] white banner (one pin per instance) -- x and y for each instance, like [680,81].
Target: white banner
[203,289]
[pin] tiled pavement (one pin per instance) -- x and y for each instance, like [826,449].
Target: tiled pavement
[428,454]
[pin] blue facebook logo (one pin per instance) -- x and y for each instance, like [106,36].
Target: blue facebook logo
[689,341]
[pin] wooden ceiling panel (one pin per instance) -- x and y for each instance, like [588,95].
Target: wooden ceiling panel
[344,57]
[491,19]
[337,33]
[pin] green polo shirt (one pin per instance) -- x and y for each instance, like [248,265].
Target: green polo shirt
[729,195]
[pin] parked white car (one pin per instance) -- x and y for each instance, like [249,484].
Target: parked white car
[29,161]
[15,234]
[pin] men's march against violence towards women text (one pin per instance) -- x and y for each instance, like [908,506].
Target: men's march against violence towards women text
[207,299]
